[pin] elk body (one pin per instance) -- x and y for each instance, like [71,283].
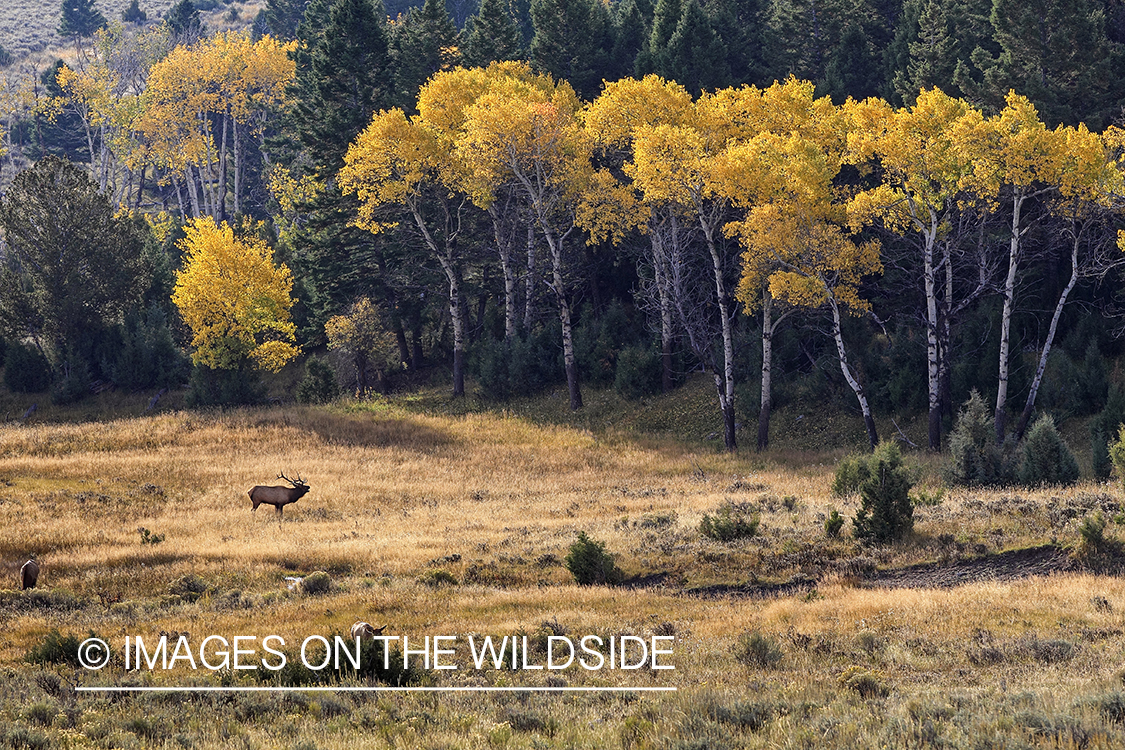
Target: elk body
[279,497]
[29,575]
[364,630]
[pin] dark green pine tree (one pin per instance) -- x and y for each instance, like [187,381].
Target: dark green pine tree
[630,36]
[281,18]
[80,18]
[665,17]
[852,68]
[896,56]
[184,22]
[572,42]
[494,35]
[695,56]
[342,79]
[1054,52]
[133,13]
[344,75]
[933,56]
[426,41]
[739,25]
[64,135]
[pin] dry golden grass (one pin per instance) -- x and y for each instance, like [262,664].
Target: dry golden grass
[496,501]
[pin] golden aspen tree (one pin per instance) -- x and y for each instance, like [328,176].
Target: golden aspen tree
[398,162]
[612,121]
[795,233]
[921,166]
[1088,182]
[222,83]
[1017,157]
[527,132]
[234,299]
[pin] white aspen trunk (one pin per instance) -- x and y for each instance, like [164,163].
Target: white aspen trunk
[933,382]
[447,258]
[1006,317]
[664,297]
[726,387]
[503,247]
[221,198]
[237,169]
[1029,406]
[767,370]
[555,245]
[193,193]
[529,291]
[857,389]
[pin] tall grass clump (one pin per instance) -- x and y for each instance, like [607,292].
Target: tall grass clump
[1046,458]
[886,513]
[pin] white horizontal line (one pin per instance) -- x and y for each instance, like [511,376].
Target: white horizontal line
[275,689]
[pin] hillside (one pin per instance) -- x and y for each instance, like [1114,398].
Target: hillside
[30,26]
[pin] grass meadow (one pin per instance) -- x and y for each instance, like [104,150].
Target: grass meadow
[459,524]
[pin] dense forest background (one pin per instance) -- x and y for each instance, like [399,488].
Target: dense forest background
[148,126]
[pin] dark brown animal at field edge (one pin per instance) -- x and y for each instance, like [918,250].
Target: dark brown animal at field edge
[29,575]
[279,497]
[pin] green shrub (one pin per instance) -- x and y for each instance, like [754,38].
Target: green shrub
[1047,458]
[316,583]
[833,524]
[73,381]
[319,385]
[437,578]
[728,524]
[886,513]
[55,648]
[26,370]
[148,537]
[589,563]
[1117,454]
[850,473]
[975,459]
[207,387]
[148,355]
[638,372]
[756,650]
[1091,535]
[1103,428]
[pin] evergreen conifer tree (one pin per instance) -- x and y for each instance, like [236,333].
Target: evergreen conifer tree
[666,16]
[427,41]
[572,42]
[852,69]
[184,22]
[494,35]
[695,56]
[133,13]
[281,18]
[80,18]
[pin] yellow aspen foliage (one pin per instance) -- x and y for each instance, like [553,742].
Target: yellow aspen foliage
[234,299]
[387,164]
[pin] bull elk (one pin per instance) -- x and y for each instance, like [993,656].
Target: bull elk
[364,629]
[279,497]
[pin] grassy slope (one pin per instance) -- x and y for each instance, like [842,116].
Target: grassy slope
[495,499]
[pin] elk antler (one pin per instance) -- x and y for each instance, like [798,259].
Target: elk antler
[298,483]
